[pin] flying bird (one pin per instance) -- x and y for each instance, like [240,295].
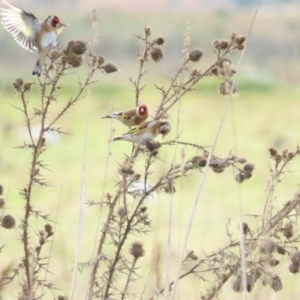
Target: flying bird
[145,132]
[30,32]
[131,117]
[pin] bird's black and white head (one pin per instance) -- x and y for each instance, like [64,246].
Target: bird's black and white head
[164,128]
[53,21]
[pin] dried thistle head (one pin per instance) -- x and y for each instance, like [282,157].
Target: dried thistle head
[48,228]
[8,222]
[1,189]
[267,246]
[156,54]
[137,250]
[74,60]
[2,202]
[147,31]
[296,258]
[151,145]
[227,88]
[109,68]
[239,178]
[158,41]
[121,212]
[101,60]
[169,187]
[77,47]
[294,268]
[195,55]
[27,86]
[224,44]
[246,228]
[280,250]
[276,283]
[199,161]
[288,230]
[17,84]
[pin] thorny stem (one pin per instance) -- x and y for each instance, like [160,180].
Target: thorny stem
[131,272]
[101,243]
[126,232]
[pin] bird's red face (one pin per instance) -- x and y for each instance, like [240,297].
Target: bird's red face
[53,21]
[142,110]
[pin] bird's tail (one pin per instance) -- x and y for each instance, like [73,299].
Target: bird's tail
[112,116]
[120,138]
[37,69]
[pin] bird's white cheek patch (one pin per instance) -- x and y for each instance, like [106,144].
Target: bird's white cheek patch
[49,39]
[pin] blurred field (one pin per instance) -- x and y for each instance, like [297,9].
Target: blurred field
[266,114]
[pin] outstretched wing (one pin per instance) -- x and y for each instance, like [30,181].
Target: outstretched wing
[21,24]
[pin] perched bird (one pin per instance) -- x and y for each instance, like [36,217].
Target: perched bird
[131,117]
[145,132]
[30,32]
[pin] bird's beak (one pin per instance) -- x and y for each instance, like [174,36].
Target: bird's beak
[63,24]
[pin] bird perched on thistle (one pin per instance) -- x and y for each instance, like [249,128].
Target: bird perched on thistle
[30,32]
[131,117]
[145,132]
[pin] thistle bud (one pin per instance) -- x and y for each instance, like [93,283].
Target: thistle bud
[109,68]
[195,55]
[137,250]
[156,54]
[158,41]
[8,222]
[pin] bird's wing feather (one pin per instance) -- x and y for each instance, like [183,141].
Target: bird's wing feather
[21,24]
[141,126]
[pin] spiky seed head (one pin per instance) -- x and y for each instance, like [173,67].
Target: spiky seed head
[248,167]
[227,88]
[137,177]
[2,202]
[8,222]
[288,230]
[147,31]
[241,39]
[241,47]
[216,44]
[255,274]
[77,47]
[1,189]
[127,170]
[62,298]
[267,246]
[158,41]
[215,71]
[121,212]
[195,55]
[101,60]
[224,44]
[48,228]
[137,250]
[296,258]
[239,178]
[246,228]
[217,167]
[276,283]
[242,160]
[27,86]
[109,68]
[273,262]
[74,60]
[199,161]
[151,145]
[143,209]
[280,250]
[273,152]
[294,268]
[18,83]
[156,54]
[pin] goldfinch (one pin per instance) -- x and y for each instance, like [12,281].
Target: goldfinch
[30,32]
[145,132]
[131,117]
